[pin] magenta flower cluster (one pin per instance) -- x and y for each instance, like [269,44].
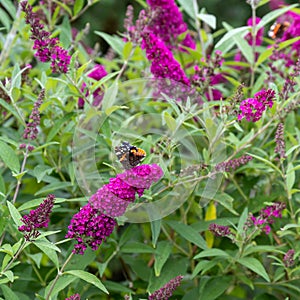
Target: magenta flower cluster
[95,221]
[267,215]
[37,218]
[114,197]
[253,108]
[47,47]
[219,230]
[90,228]
[97,73]
[163,63]
[167,23]
[167,290]
[288,258]
[232,164]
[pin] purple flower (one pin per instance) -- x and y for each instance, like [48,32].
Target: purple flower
[47,48]
[279,139]
[163,63]
[90,228]
[253,108]
[97,73]
[167,290]
[233,164]
[288,259]
[267,215]
[74,297]
[37,218]
[114,197]
[219,230]
[31,130]
[167,23]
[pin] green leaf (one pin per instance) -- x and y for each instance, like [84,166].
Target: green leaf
[10,8]
[8,293]
[242,221]
[267,162]
[62,282]
[170,121]
[161,255]
[212,252]
[114,41]
[5,20]
[57,125]
[78,6]
[215,287]
[110,97]
[290,177]
[254,265]
[10,275]
[226,201]
[65,36]
[16,216]
[49,249]
[155,229]
[89,278]
[40,171]
[50,188]
[9,157]
[188,233]
[208,19]
[127,50]
[240,31]
[242,44]
[188,6]
[136,247]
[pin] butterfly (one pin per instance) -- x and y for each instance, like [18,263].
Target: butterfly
[128,155]
[277,29]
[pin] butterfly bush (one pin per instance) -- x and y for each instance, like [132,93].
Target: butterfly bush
[47,48]
[167,290]
[37,218]
[167,24]
[114,197]
[252,108]
[229,96]
[95,221]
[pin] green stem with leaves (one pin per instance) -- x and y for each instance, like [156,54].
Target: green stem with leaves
[59,274]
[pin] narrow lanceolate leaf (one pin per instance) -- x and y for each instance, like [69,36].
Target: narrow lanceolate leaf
[16,216]
[89,278]
[211,253]
[254,265]
[9,157]
[161,255]
[188,233]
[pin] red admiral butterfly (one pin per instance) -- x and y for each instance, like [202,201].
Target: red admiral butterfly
[277,30]
[128,155]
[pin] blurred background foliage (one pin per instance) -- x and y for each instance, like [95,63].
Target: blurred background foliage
[108,15]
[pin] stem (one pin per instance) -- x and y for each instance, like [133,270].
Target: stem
[14,257]
[59,273]
[19,180]
[253,43]
[196,9]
